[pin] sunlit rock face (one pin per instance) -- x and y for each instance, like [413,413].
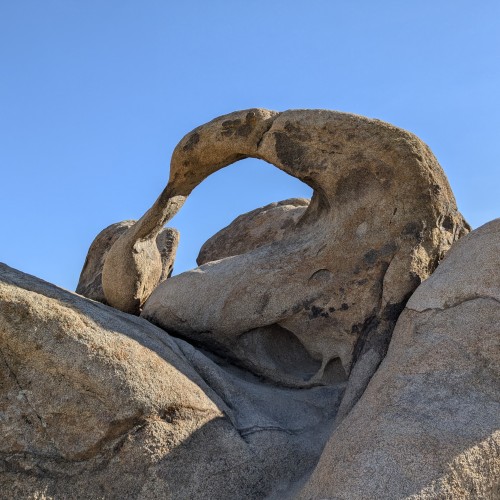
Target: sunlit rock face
[324,291]
[253,229]
[319,351]
[90,282]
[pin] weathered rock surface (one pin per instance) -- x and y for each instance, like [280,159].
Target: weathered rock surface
[90,282]
[132,267]
[95,403]
[428,424]
[305,309]
[253,230]
[288,321]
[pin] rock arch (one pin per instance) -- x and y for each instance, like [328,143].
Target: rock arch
[381,217]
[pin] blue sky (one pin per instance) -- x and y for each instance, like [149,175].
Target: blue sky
[94,96]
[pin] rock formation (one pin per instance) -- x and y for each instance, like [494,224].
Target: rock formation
[132,268]
[305,307]
[90,282]
[428,424]
[270,375]
[95,403]
[253,230]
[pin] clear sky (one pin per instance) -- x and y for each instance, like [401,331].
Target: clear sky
[95,94]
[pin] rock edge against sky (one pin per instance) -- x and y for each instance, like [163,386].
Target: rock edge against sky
[334,386]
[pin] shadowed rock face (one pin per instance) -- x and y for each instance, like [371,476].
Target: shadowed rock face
[90,282]
[96,403]
[381,217]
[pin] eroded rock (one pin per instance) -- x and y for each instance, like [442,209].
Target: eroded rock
[90,282]
[330,290]
[132,268]
[95,403]
[427,425]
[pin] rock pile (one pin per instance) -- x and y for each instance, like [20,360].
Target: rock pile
[319,351]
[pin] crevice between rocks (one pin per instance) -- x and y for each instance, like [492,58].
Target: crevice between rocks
[455,304]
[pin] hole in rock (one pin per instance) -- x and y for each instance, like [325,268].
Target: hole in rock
[223,196]
[334,372]
[276,353]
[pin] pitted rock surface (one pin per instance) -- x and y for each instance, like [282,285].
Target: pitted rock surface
[428,424]
[327,294]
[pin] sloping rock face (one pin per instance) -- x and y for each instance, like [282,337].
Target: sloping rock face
[288,320]
[324,296]
[95,403]
[253,230]
[90,282]
[428,424]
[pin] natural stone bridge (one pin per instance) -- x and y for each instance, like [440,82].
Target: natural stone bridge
[316,352]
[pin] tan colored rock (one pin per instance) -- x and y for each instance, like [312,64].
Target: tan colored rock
[303,310]
[95,403]
[90,282]
[253,230]
[473,271]
[428,424]
[87,373]
[132,268]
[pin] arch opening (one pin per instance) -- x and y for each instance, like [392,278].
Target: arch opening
[225,195]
